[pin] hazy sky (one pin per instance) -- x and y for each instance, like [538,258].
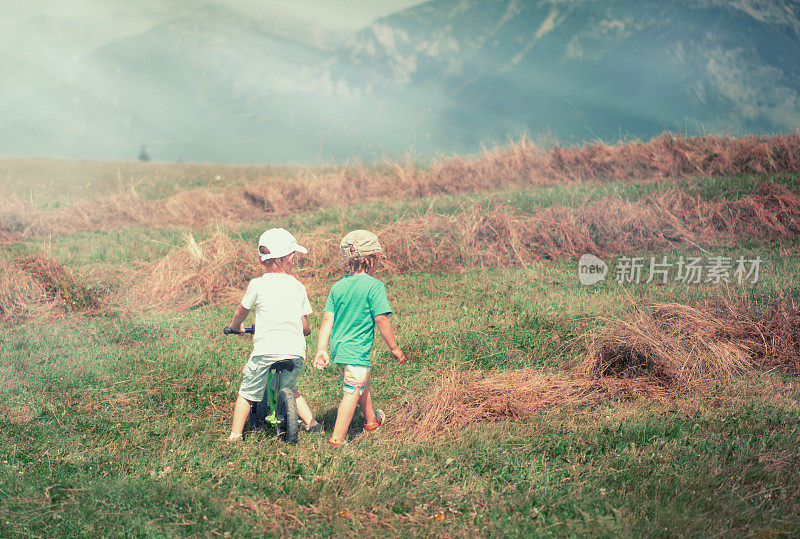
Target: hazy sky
[322,23]
[332,14]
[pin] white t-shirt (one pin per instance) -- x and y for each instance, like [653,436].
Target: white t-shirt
[280,301]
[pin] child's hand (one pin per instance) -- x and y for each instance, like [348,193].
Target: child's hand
[399,355]
[321,360]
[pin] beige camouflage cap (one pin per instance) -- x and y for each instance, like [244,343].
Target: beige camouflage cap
[360,243]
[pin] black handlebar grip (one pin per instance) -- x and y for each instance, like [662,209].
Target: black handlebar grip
[229,331]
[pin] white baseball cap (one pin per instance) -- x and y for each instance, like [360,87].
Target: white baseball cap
[278,243]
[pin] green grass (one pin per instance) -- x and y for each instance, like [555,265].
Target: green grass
[115,427]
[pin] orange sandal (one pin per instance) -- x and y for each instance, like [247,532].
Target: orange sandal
[374,426]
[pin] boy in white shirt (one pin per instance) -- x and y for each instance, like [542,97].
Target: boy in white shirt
[282,310]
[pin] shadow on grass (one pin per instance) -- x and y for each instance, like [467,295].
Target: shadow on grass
[356,425]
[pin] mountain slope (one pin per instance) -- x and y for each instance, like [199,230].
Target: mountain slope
[583,69]
[198,81]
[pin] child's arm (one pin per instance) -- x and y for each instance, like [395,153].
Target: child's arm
[385,327]
[238,317]
[323,359]
[306,326]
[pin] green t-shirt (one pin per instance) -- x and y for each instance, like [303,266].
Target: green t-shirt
[355,301]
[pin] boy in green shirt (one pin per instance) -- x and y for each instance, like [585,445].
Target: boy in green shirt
[356,304]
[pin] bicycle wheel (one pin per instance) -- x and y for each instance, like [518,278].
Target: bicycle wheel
[286,415]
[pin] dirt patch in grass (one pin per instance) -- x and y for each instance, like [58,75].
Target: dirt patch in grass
[523,164]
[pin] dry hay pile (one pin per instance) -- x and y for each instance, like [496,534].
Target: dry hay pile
[651,353]
[473,238]
[460,398]
[682,346]
[38,287]
[194,208]
[772,210]
[284,196]
[209,273]
[520,165]
[667,156]
[196,274]
[500,238]
[212,272]
[675,345]
[672,156]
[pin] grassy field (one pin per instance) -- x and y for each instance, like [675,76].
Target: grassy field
[113,420]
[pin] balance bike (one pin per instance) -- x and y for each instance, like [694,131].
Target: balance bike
[279,409]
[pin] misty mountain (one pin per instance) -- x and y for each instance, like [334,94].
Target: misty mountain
[190,81]
[200,81]
[578,70]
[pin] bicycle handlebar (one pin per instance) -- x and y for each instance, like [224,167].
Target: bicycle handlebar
[229,331]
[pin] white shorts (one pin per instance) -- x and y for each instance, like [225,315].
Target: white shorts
[356,377]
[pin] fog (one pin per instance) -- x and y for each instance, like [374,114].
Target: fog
[223,80]
[321,81]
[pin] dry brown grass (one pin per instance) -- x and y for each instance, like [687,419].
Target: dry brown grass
[190,208]
[682,346]
[203,274]
[15,217]
[672,219]
[523,164]
[666,156]
[22,297]
[39,287]
[196,274]
[460,398]
[675,345]
[210,272]
[651,353]
[672,156]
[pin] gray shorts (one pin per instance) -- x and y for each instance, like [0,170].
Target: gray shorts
[254,383]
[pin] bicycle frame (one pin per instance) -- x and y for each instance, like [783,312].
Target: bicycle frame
[271,396]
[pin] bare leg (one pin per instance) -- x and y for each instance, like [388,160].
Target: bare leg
[365,401]
[303,410]
[240,412]
[344,416]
